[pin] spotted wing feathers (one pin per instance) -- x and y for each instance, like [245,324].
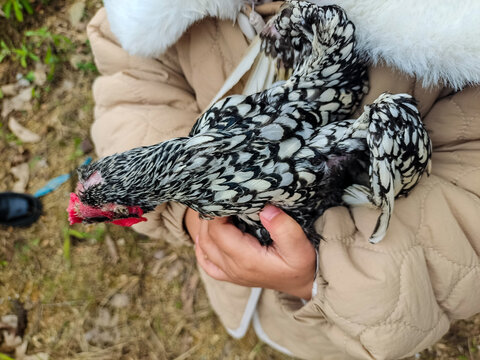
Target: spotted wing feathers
[400,152]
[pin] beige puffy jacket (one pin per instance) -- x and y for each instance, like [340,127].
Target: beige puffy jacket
[383,301]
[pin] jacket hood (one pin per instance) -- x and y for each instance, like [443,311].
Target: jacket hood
[435,40]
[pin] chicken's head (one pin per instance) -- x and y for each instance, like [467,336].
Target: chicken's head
[92,202]
[301,27]
[287,36]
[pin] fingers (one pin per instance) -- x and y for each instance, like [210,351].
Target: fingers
[224,252]
[208,246]
[227,254]
[278,223]
[285,232]
[191,221]
[211,255]
[229,239]
[209,267]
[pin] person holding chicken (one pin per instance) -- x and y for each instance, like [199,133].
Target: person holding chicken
[163,63]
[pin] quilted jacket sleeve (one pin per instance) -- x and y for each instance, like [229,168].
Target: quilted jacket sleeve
[393,299]
[140,101]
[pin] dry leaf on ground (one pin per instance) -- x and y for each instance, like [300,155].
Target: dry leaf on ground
[22,133]
[75,13]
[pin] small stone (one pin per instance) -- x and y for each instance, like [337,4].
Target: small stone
[119,301]
[23,82]
[159,255]
[105,319]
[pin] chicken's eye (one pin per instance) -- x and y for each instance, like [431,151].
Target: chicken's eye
[122,210]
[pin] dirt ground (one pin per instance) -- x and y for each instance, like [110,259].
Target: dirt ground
[104,292]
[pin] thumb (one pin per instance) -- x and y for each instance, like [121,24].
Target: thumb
[283,229]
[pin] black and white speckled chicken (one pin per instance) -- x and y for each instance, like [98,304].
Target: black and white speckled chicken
[287,145]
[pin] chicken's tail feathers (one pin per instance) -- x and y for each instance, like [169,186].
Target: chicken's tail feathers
[381,227]
[382,184]
[360,195]
[429,167]
[357,195]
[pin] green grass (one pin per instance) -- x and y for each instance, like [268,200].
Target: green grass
[18,8]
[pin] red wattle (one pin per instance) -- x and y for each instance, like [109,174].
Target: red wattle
[128,221]
[73,217]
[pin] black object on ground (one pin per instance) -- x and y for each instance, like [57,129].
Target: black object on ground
[18,209]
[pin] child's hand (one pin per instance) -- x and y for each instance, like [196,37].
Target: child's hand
[227,254]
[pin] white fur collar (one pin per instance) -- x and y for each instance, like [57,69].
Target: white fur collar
[436,40]
[149,27]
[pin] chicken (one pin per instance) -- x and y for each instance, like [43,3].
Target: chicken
[288,145]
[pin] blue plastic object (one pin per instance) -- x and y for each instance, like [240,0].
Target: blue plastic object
[52,185]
